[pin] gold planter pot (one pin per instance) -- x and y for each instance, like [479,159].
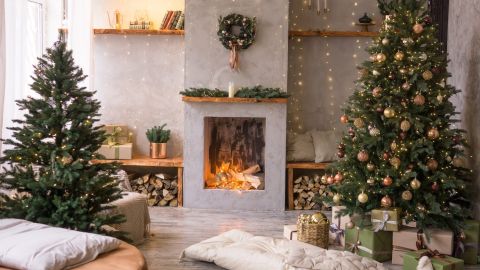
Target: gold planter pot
[158,150]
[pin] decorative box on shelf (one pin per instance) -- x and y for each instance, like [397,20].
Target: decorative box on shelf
[439,261]
[368,243]
[116,134]
[122,151]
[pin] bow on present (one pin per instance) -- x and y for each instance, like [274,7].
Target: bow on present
[420,244]
[459,247]
[383,222]
[432,254]
[339,233]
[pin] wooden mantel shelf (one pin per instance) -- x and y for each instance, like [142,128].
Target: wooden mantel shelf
[318,33]
[138,32]
[234,100]
[142,161]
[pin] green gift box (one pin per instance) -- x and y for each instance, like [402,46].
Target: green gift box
[411,258]
[471,242]
[368,243]
[387,219]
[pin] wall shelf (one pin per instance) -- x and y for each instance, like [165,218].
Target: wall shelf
[98,31]
[318,33]
[234,100]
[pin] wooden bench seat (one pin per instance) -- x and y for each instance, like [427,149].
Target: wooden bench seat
[304,166]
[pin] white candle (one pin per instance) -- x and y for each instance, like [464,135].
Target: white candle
[325,7]
[231,90]
[318,7]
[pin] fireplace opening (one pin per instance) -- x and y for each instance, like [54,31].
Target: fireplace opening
[234,153]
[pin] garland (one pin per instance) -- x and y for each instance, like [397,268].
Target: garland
[235,42]
[245,92]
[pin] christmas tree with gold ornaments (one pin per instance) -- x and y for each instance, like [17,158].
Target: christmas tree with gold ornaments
[401,148]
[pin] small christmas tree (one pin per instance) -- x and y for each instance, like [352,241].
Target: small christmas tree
[49,162]
[401,149]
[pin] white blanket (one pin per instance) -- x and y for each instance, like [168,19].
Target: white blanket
[238,250]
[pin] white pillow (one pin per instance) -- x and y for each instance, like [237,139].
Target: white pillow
[325,144]
[300,148]
[32,246]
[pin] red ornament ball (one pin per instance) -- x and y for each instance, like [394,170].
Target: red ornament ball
[386,201]
[362,156]
[435,186]
[403,135]
[341,146]
[341,154]
[344,119]
[432,164]
[330,180]
[387,181]
[386,156]
[338,177]
[419,100]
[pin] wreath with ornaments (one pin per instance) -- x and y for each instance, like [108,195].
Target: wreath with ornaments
[240,40]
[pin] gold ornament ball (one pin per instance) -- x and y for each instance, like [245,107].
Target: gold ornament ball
[386,201]
[375,72]
[427,75]
[374,132]
[344,119]
[350,225]
[66,160]
[389,112]
[324,179]
[440,98]
[423,57]
[405,125]
[407,42]
[407,195]
[318,217]
[358,123]
[418,28]
[399,56]
[381,57]
[395,162]
[406,86]
[419,100]
[362,156]
[433,134]
[387,181]
[385,41]
[363,197]
[415,184]
[457,162]
[370,181]
[432,164]
[377,91]
[370,167]
[403,71]
[337,198]
[393,146]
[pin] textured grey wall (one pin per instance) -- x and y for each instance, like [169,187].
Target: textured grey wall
[265,62]
[463,48]
[322,70]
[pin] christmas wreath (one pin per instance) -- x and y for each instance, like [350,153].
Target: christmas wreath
[235,42]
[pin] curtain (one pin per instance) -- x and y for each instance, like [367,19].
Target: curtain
[2,62]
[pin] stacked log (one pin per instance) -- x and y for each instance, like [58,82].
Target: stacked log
[305,189]
[161,189]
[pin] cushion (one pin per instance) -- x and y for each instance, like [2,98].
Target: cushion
[325,145]
[300,148]
[238,250]
[28,245]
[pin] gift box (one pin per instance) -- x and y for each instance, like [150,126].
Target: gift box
[290,232]
[116,134]
[336,236]
[386,219]
[337,219]
[471,242]
[411,258]
[368,243]
[406,239]
[123,151]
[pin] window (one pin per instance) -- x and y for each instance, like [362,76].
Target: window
[34,40]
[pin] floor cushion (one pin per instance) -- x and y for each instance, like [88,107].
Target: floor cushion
[238,250]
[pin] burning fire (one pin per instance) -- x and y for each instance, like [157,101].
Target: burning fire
[229,176]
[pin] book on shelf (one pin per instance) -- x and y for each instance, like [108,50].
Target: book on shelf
[164,20]
[173,20]
[169,16]
[177,17]
[180,23]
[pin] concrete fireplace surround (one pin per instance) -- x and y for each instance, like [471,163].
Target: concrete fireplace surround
[194,193]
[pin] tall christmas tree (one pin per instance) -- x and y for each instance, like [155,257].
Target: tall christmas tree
[401,148]
[48,166]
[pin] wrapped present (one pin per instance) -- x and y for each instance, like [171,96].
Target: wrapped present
[468,248]
[338,219]
[406,240]
[386,219]
[123,151]
[117,134]
[336,235]
[290,232]
[368,243]
[439,261]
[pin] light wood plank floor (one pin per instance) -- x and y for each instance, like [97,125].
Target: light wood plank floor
[174,229]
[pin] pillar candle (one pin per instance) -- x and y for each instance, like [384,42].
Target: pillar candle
[231,90]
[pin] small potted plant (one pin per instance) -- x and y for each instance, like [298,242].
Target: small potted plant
[158,137]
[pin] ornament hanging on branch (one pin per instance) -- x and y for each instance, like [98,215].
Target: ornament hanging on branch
[234,40]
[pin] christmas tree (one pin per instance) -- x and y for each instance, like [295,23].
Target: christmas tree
[401,148]
[48,165]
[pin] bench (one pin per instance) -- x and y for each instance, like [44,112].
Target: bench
[299,165]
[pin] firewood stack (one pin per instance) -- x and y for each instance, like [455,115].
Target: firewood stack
[161,189]
[304,190]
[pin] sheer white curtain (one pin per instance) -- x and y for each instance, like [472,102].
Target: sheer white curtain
[2,62]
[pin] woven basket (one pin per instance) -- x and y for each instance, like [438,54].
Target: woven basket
[314,231]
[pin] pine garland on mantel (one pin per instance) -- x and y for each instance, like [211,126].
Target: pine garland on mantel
[244,92]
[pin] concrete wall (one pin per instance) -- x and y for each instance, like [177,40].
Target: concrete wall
[463,44]
[322,70]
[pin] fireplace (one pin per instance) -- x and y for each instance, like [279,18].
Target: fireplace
[234,155]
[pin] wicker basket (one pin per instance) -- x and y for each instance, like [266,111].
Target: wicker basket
[314,230]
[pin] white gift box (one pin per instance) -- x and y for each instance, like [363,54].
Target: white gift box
[123,151]
[290,232]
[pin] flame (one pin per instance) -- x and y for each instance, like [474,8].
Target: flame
[225,178]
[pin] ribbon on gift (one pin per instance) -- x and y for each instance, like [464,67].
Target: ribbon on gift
[419,243]
[339,233]
[117,152]
[383,222]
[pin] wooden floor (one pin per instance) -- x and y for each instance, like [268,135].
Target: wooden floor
[174,229]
